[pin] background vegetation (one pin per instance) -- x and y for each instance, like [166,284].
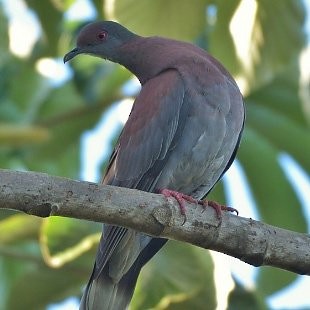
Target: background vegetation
[44,261]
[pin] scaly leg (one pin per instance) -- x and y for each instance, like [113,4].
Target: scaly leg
[182,198]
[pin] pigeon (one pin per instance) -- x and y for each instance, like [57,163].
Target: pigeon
[182,135]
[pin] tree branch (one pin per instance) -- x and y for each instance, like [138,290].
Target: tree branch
[251,241]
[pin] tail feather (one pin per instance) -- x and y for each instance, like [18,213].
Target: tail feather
[102,293]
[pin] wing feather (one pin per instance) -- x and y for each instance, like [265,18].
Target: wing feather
[140,155]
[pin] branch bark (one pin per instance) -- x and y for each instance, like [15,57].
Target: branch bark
[251,241]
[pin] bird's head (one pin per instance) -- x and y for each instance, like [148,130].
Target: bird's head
[102,39]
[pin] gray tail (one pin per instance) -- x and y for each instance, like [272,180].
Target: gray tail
[103,293]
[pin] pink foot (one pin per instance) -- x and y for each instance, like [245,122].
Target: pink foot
[180,198]
[217,207]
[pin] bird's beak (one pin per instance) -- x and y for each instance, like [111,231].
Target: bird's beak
[72,54]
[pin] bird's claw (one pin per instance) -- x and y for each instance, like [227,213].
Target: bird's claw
[182,198]
[217,207]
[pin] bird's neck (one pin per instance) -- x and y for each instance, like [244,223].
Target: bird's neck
[144,57]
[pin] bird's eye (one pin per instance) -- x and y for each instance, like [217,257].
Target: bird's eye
[102,35]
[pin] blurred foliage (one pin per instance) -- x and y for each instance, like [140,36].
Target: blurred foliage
[43,261]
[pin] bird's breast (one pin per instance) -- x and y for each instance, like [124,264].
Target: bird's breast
[213,122]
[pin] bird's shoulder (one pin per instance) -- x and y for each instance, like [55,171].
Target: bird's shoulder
[148,132]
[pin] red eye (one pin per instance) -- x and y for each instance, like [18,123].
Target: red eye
[102,35]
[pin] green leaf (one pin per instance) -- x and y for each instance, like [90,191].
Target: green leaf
[274,197]
[240,298]
[220,37]
[6,213]
[180,276]
[98,4]
[10,270]
[277,202]
[15,135]
[283,133]
[50,17]
[41,286]
[281,96]
[27,90]
[4,42]
[271,280]
[67,123]
[63,240]
[98,80]
[273,50]
[178,19]
[19,227]
[43,159]
[60,101]
[15,261]
[62,5]
[217,193]
[257,41]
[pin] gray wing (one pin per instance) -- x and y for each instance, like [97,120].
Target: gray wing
[138,160]
[148,133]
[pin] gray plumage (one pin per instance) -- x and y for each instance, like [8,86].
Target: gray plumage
[182,134]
